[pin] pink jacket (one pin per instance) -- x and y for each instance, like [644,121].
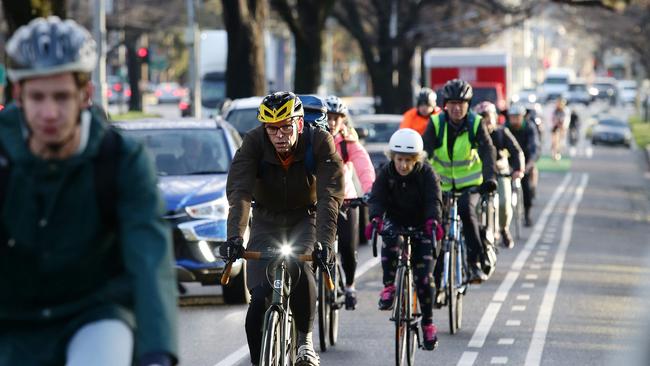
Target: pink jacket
[358,161]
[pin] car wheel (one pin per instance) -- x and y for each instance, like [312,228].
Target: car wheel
[236,291]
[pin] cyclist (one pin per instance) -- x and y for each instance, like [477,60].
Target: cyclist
[560,122]
[417,117]
[574,128]
[359,175]
[292,204]
[509,164]
[461,152]
[407,193]
[526,134]
[86,274]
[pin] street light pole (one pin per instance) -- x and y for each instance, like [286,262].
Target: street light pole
[99,33]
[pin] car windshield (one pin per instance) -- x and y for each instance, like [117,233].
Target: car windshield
[185,151]
[243,119]
[612,123]
[604,86]
[577,87]
[377,131]
[555,80]
[213,92]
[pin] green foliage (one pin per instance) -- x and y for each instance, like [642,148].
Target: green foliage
[640,130]
[129,116]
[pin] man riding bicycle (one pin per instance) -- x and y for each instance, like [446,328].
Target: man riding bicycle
[359,174]
[509,164]
[86,274]
[292,176]
[417,117]
[461,152]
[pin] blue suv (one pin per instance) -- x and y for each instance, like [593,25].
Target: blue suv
[192,158]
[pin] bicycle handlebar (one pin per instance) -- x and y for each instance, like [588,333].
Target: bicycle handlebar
[354,202]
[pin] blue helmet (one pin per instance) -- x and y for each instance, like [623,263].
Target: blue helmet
[315,109]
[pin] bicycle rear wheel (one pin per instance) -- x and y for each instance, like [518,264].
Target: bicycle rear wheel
[400,316]
[338,296]
[452,299]
[324,312]
[271,340]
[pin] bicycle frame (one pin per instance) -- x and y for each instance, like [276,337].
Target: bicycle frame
[453,236]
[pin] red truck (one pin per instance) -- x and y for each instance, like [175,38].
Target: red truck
[486,70]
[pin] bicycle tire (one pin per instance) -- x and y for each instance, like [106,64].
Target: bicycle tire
[401,326]
[451,288]
[461,268]
[338,297]
[517,215]
[412,329]
[271,342]
[324,307]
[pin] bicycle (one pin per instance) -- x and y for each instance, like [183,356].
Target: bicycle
[330,301]
[517,203]
[279,333]
[405,312]
[453,253]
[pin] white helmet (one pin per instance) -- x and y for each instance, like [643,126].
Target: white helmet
[406,141]
[48,46]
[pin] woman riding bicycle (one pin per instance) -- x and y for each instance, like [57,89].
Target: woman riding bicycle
[407,194]
[359,174]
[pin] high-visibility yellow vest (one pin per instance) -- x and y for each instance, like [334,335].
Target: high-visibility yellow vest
[466,169]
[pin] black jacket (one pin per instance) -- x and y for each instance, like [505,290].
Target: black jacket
[528,139]
[406,200]
[503,141]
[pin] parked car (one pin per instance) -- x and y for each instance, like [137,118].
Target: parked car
[526,95]
[611,131]
[380,128]
[117,91]
[607,89]
[192,158]
[578,93]
[242,113]
[169,92]
[627,91]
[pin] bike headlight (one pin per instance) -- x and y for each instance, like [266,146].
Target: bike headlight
[212,210]
[286,250]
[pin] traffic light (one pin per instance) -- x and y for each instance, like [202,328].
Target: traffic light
[143,55]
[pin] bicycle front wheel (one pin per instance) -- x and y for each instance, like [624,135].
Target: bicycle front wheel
[338,299]
[400,317]
[452,299]
[324,309]
[517,214]
[272,340]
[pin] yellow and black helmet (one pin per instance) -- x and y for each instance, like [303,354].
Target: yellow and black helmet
[279,106]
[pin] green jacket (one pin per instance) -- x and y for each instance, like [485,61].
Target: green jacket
[60,263]
[284,197]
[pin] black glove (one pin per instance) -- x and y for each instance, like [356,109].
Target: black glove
[488,186]
[324,254]
[156,359]
[233,248]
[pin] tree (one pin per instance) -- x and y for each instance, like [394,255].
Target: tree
[388,32]
[306,20]
[244,20]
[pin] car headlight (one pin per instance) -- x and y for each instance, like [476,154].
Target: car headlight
[212,210]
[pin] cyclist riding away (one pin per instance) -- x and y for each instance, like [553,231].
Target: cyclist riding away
[417,117]
[86,275]
[461,152]
[560,122]
[359,175]
[509,164]
[295,177]
[526,134]
[407,194]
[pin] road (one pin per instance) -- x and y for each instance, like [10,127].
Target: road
[569,293]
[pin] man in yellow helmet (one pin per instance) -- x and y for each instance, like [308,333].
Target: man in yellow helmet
[295,176]
[461,152]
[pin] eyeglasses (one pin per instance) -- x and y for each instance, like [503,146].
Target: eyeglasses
[286,129]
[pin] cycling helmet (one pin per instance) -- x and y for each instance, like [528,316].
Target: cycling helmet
[315,109]
[335,105]
[406,141]
[516,109]
[457,89]
[485,108]
[426,97]
[279,106]
[48,46]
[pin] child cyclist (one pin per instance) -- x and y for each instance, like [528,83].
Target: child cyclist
[359,174]
[407,193]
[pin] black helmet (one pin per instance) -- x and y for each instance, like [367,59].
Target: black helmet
[48,46]
[426,97]
[279,106]
[457,89]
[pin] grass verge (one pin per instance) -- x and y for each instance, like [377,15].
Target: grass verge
[641,131]
[132,115]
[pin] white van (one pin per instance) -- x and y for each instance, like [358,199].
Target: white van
[556,83]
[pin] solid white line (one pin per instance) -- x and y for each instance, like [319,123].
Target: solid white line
[234,357]
[483,327]
[534,355]
[467,359]
[242,351]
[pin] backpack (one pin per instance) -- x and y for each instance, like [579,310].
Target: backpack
[105,174]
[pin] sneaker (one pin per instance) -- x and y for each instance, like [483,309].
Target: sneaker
[440,299]
[476,274]
[306,355]
[430,334]
[386,297]
[507,239]
[350,299]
